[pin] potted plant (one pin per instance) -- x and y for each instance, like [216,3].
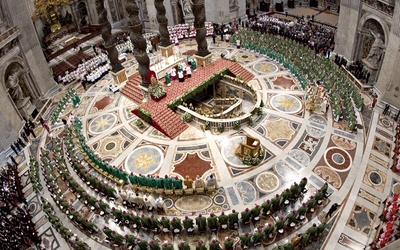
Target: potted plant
[157,92]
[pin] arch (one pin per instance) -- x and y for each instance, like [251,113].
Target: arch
[384,25]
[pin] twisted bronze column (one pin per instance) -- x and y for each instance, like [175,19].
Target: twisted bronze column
[107,36]
[138,41]
[201,32]
[162,23]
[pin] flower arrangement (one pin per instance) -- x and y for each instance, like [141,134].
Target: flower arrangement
[158,91]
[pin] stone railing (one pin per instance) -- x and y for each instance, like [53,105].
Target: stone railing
[216,121]
[385,6]
[361,86]
[8,36]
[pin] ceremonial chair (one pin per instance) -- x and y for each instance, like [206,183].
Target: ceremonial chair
[149,190]
[159,191]
[178,192]
[200,191]
[189,191]
[168,191]
[142,189]
[211,189]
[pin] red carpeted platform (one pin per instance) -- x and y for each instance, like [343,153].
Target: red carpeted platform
[163,118]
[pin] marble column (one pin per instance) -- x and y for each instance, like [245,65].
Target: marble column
[139,50]
[201,32]
[107,36]
[162,23]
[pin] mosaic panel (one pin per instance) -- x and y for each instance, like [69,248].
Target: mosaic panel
[287,104]
[309,144]
[34,206]
[261,184]
[144,160]
[265,67]
[329,175]
[369,197]
[385,122]
[378,160]
[49,240]
[244,57]
[102,123]
[350,243]
[384,133]
[191,165]
[382,146]
[375,178]
[361,219]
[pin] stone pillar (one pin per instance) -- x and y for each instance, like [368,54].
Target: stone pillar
[201,32]
[347,28]
[107,36]
[165,42]
[162,23]
[139,50]
[388,80]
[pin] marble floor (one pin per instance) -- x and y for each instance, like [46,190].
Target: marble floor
[298,144]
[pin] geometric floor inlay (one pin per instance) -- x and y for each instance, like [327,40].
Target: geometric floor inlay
[286,103]
[361,219]
[102,123]
[338,159]
[144,160]
[381,146]
[375,178]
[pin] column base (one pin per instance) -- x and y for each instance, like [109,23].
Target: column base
[166,51]
[119,77]
[203,60]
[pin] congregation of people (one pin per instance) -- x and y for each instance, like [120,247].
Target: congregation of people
[88,71]
[317,37]
[16,228]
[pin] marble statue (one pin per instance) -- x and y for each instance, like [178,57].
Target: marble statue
[187,7]
[377,48]
[13,84]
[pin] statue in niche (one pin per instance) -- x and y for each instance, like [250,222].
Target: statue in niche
[233,3]
[377,48]
[13,84]
[187,7]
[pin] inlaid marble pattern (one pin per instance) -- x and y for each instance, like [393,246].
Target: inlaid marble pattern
[262,184]
[329,175]
[318,119]
[384,133]
[103,103]
[193,132]
[300,156]
[361,219]
[265,67]
[216,52]
[195,204]
[284,82]
[369,197]
[385,122]
[309,144]
[343,142]
[338,159]
[85,101]
[191,165]
[350,243]
[244,57]
[112,146]
[49,240]
[102,123]
[378,160]
[382,146]
[375,178]
[287,104]
[144,160]
[34,206]
[279,129]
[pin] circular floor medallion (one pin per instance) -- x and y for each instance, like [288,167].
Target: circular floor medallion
[193,203]
[219,199]
[338,159]
[265,67]
[144,160]
[102,123]
[375,178]
[168,203]
[286,103]
[267,182]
